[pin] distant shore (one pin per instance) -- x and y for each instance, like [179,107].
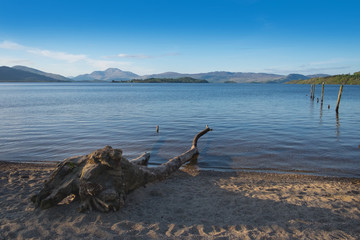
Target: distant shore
[344,79]
[163,80]
[190,204]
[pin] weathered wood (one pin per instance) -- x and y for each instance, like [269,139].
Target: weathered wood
[313,91]
[322,93]
[339,98]
[312,95]
[103,178]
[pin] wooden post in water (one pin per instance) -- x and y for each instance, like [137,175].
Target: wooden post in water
[322,93]
[314,91]
[312,95]
[338,100]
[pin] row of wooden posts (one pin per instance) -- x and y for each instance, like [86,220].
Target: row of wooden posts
[312,95]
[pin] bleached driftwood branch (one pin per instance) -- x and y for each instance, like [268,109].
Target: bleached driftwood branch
[103,178]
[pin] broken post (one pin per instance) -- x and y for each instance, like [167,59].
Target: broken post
[314,91]
[339,98]
[312,95]
[322,93]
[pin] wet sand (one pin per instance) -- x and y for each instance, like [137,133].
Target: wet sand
[190,205]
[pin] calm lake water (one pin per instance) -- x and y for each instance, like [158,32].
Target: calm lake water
[257,127]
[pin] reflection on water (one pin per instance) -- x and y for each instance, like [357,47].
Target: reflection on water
[337,125]
[321,112]
[262,127]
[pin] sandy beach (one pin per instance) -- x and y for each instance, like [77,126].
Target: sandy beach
[190,204]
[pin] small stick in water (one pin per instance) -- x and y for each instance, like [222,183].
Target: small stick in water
[157,128]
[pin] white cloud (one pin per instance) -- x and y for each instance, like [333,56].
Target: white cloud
[71,58]
[9,61]
[65,58]
[141,56]
[11,45]
[69,63]
[104,64]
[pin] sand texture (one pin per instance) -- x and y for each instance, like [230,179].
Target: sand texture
[190,205]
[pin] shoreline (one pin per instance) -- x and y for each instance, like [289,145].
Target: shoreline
[190,167]
[190,204]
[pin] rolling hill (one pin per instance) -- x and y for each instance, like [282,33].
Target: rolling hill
[107,75]
[345,79]
[50,75]
[8,74]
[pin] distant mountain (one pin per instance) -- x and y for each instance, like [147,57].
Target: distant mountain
[50,75]
[107,75]
[294,76]
[26,74]
[290,77]
[212,77]
[346,79]
[164,80]
[8,74]
[221,76]
[317,75]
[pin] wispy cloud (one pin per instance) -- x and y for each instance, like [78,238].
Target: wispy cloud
[14,61]
[305,69]
[11,45]
[142,56]
[103,64]
[139,56]
[325,62]
[61,56]
[71,58]
[330,66]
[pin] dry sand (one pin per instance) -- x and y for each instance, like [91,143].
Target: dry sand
[190,205]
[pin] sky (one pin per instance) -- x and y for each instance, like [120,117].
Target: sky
[70,37]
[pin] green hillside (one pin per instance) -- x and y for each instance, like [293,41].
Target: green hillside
[345,79]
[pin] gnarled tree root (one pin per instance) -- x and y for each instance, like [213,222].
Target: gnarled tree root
[102,179]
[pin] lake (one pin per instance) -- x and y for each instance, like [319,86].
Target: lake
[257,127]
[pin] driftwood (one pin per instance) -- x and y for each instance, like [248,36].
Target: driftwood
[102,179]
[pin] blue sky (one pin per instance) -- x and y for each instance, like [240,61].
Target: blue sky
[154,36]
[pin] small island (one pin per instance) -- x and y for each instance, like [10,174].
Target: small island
[164,80]
[345,79]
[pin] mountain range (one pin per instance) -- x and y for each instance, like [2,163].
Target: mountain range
[26,74]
